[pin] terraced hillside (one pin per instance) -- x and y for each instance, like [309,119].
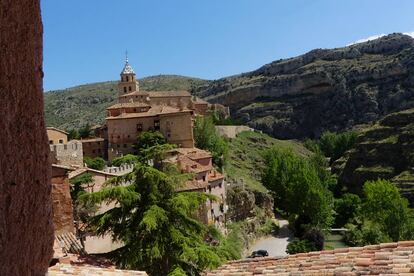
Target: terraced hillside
[324,89]
[385,150]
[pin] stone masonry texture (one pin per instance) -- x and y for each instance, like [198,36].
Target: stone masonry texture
[26,229]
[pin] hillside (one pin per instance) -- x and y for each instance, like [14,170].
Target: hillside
[245,160]
[384,150]
[325,89]
[76,106]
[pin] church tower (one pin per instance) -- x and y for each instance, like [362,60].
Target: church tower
[128,83]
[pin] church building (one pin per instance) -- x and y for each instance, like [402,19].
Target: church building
[170,112]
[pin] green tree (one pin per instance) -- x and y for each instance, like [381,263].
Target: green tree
[297,188]
[126,159]
[334,145]
[385,206]
[81,211]
[85,131]
[97,163]
[151,147]
[206,137]
[73,134]
[154,223]
[347,207]
[299,246]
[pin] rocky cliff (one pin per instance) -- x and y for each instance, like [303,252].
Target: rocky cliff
[333,89]
[384,150]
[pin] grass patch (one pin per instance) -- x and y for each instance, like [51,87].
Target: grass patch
[245,157]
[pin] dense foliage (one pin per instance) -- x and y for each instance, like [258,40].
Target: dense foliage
[299,246]
[126,159]
[333,145]
[97,163]
[384,216]
[347,207]
[298,189]
[81,211]
[206,137]
[156,224]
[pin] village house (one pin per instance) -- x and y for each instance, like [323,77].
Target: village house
[206,179]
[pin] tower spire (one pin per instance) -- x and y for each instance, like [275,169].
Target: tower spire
[126,56]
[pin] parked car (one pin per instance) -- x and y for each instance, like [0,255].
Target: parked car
[259,253]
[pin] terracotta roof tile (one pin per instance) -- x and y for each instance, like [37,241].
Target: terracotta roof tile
[130,104]
[383,259]
[156,94]
[153,111]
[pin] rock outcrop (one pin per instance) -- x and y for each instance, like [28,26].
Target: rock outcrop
[26,229]
[322,90]
[384,150]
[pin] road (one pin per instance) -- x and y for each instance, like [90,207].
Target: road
[276,246]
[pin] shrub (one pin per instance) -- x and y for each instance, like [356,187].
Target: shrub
[299,246]
[346,208]
[94,163]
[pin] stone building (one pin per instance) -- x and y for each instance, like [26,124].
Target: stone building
[170,112]
[63,152]
[206,179]
[56,136]
[94,147]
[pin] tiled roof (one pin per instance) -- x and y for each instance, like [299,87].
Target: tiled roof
[87,266]
[194,167]
[135,93]
[94,139]
[129,104]
[56,129]
[192,185]
[161,94]
[67,243]
[383,259]
[153,111]
[193,153]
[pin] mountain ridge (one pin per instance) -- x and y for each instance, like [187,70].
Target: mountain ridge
[303,96]
[295,98]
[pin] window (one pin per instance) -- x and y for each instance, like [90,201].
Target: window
[157,124]
[50,142]
[118,145]
[129,88]
[93,151]
[60,141]
[65,147]
[127,79]
[135,110]
[204,179]
[168,134]
[125,90]
[125,145]
[139,127]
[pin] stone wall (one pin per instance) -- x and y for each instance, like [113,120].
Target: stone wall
[62,202]
[26,228]
[70,154]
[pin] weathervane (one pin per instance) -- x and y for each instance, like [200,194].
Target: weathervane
[126,56]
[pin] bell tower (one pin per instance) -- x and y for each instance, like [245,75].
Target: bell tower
[128,82]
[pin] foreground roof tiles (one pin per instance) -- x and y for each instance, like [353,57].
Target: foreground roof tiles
[86,270]
[73,264]
[383,259]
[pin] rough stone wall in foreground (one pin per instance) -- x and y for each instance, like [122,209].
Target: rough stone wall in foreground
[26,230]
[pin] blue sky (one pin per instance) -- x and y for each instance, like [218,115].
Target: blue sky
[85,40]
